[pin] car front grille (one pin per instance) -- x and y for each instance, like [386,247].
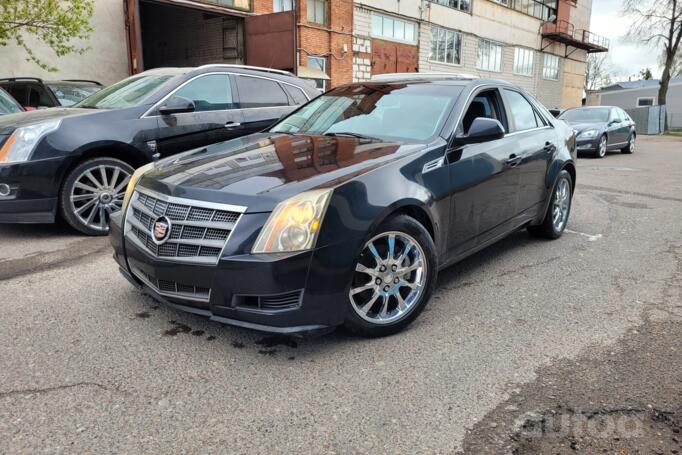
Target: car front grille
[170,288]
[198,230]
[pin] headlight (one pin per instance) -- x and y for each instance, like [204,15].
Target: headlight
[21,143]
[294,224]
[588,133]
[137,175]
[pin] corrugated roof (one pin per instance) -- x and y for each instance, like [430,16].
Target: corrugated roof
[652,83]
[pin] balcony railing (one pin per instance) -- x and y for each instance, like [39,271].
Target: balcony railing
[564,32]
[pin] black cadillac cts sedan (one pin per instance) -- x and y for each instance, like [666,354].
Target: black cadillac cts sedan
[344,212]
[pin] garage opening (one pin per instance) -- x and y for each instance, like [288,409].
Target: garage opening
[173,35]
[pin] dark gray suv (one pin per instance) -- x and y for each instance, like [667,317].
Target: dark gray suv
[77,161]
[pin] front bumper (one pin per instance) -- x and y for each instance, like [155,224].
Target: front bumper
[282,293]
[33,191]
[588,145]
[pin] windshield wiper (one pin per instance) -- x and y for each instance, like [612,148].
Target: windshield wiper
[349,134]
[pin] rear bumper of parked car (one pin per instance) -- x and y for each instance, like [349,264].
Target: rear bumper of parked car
[281,293]
[31,197]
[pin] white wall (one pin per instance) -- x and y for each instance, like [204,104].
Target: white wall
[106,61]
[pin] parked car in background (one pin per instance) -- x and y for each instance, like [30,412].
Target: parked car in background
[77,161]
[8,105]
[344,211]
[601,129]
[35,93]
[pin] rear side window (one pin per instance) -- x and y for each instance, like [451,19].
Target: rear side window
[38,96]
[296,94]
[522,111]
[257,92]
[18,92]
[209,93]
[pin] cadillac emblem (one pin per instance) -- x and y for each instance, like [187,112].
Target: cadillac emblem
[161,230]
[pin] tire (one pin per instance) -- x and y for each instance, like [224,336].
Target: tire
[550,229]
[630,148]
[91,192]
[602,147]
[394,299]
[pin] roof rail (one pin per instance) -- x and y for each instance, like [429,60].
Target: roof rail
[247,67]
[423,76]
[20,78]
[83,80]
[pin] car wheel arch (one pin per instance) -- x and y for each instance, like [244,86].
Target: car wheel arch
[120,151]
[414,209]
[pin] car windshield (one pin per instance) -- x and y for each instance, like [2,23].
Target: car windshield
[397,111]
[127,93]
[70,94]
[586,115]
[7,104]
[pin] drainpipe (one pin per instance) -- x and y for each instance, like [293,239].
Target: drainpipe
[294,3]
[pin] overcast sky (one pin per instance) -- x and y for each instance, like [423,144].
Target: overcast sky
[626,58]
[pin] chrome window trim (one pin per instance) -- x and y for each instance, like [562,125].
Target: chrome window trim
[228,73]
[515,133]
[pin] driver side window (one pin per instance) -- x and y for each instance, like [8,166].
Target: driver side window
[209,93]
[486,104]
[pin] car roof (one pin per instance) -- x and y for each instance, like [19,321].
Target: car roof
[454,80]
[42,81]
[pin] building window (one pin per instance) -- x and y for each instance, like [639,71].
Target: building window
[489,56]
[282,5]
[523,61]
[542,9]
[462,5]
[391,28]
[317,11]
[319,63]
[446,46]
[647,101]
[550,70]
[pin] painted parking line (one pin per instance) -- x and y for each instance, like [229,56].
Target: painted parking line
[590,237]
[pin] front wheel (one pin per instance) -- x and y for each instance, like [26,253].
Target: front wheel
[602,147]
[556,218]
[631,145]
[92,191]
[393,279]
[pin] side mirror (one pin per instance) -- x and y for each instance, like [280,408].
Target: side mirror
[482,130]
[177,105]
[614,122]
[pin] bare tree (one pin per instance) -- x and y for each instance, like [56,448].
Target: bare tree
[658,22]
[598,72]
[676,70]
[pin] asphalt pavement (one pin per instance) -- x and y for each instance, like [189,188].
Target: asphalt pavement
[89,365]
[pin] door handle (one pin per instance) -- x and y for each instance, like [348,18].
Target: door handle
[514,160]
[232,124]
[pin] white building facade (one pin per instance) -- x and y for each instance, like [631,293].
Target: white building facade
[495,39]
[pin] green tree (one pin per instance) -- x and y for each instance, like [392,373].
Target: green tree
[56,23]
[645,74]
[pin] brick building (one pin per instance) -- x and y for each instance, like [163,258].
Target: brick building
[541,45]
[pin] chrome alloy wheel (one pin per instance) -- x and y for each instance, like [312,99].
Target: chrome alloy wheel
[389,278]
[633,144]
[561,205]
[97,193]
[603,143]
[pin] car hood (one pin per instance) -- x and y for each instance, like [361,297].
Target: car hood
[13,121]
[580,127]
[260,170]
